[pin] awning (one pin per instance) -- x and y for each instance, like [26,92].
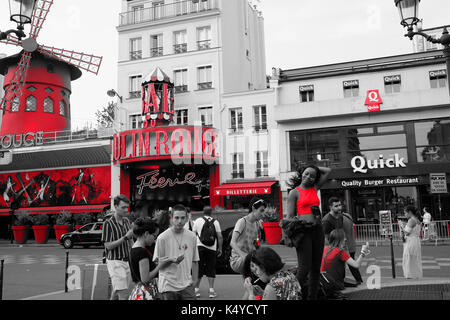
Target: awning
[244,188]
[56,210]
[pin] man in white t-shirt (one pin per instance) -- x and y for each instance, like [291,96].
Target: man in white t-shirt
[207,253]
[176,281]
[426,217]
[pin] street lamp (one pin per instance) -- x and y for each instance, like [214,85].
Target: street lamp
[408,10]
[113,93]
[21,12]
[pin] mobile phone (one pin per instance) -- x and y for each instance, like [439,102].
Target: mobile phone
[315,210]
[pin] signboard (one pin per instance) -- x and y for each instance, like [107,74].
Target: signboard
[438,73]
[438,183]
[385,223]
[373,100]
[351,83]
[380,182]
[361,164]
[306,88]
[390,79]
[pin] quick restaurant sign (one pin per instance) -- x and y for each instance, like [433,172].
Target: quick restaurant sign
[362,165]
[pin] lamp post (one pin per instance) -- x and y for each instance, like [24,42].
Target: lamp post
[408,10]
[21,12]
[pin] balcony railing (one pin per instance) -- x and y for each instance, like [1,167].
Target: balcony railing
[262,173]
[182,88]
[164,11]
[135,55]
[203,44]
[156,52]
[180,48]
[204,85]
[236,175]
[134,94]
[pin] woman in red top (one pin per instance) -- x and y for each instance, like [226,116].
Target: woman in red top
[335,258]
[302,197]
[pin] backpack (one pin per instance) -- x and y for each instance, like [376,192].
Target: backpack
[208,233]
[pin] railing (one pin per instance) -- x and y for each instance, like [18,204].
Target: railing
[180,48]
[182,88]
[134,94]
[203,44]
[156,52]
[204,85]
[136,55]
[438,230]
[164,11]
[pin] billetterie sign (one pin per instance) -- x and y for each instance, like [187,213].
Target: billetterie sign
[164,143]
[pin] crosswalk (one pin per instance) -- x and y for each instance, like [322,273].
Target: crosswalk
[27,259]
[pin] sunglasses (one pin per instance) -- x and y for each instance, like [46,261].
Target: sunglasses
[259,201]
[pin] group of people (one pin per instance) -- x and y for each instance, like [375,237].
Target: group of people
[167,265]
[170,264]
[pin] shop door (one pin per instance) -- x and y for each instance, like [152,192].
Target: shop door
[366,204]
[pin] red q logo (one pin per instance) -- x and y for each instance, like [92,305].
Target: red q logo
[373,100]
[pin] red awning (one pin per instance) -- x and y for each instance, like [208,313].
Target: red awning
[55,210]
[244,189]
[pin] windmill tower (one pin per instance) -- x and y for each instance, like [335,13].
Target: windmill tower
[37,80]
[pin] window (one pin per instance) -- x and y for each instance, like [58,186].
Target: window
[31,89]
[136,49]
[200,5]
[138,13]
[262,166]
[136,121]
[48,90]
[180,41]
[158,9]
[30,104]
[180,80]
[181,7]
[156,45]
[204,77]
[15,105]
[351,88]
[203,38]
[432,140]
[181,116]
[205,114]
[238,165]
[135,87]
[392,84]
[306,93]
[260,118]
[62,108]
[48,105]
[438,78]
[236,119]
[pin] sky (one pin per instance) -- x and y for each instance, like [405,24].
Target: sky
[298,33]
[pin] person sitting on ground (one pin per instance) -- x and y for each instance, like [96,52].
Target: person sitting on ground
[281,284]
[335,257]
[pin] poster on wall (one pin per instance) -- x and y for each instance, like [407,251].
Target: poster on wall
[81,186]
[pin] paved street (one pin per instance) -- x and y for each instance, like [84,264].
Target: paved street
[33,270]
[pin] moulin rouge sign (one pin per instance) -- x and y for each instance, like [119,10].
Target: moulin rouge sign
[169,142]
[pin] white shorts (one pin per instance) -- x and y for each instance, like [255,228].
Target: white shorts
[120,274]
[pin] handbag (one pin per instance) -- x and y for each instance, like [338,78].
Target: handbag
[145,291]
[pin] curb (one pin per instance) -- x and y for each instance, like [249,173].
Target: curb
[401,283]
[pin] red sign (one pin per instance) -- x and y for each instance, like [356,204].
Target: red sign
[373,100]
[169,142]
[242,192]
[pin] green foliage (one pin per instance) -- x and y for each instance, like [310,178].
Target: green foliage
[40,219]
[64,218]
[23,218]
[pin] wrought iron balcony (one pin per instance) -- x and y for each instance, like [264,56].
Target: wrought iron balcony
[182,88]
[204,44]
[180,48]
[136,55]
[156,52]
[204,85]
[134,94]
[164,11]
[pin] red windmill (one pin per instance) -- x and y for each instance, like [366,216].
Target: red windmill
[15,80]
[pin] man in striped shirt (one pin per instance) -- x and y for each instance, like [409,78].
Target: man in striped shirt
[117,236]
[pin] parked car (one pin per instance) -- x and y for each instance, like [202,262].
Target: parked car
[87,235]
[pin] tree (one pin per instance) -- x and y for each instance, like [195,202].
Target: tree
[105,117]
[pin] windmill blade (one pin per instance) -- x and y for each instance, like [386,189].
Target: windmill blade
[40,12]
[15,87]
[81,60]
[12,39]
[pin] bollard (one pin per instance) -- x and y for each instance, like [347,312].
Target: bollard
[1,280]
[66,277]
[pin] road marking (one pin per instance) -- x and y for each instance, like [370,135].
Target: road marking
[43,295]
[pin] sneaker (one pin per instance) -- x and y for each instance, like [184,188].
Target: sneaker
[212,294]
[197,292]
